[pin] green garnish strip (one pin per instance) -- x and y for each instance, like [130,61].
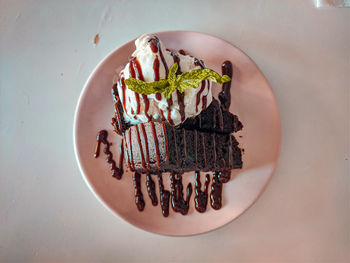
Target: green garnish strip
[180,82]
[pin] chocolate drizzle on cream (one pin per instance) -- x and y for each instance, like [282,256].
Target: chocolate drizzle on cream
[200,63]
[155,46]
[156,75]
[136,72]
[156,69]
[180,96]
[133,75]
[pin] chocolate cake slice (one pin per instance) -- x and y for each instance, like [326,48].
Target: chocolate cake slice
[155,147]
[204,143]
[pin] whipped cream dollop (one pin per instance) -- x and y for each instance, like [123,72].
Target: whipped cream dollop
[151,61]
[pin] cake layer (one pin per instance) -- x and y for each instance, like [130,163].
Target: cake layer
[213,119]
[159,147]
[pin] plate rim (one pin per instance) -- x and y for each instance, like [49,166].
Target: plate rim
[92,189]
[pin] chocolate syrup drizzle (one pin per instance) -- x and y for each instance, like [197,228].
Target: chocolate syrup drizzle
[201,197]
[155,47]
[146,144]
[156,144]
[219,178]
[136,72]
[180,96]
[121,159]
[140,148]
[102,138]
[151,189]
[178,203]
[132,165]
[133,75]
[156,69]
[164,196]
[200,63]
[140,202]
[123,86]
[225,94]
[216,192]
[166,142]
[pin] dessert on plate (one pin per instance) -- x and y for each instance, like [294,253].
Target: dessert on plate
[171,123]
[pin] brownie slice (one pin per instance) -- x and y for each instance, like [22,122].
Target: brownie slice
[213,119]
[159,147]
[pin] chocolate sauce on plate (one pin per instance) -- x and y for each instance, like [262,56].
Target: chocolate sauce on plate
[102,138]
[178,203]
[201,197]
[151,189]
[139,201]
[164,196]
[219,178]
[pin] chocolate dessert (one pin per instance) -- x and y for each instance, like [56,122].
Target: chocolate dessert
[159,147]
[171,123]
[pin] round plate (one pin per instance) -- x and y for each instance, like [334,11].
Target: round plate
[252,100]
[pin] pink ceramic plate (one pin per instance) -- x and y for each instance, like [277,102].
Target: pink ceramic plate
[252,100]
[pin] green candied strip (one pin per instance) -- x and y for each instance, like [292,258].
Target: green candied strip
[172,74]
[181,82]
[194,78]
[147,88]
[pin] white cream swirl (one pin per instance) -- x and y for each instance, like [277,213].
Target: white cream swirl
[142,65]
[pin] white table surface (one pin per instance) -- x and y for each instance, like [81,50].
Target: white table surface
[47,213]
